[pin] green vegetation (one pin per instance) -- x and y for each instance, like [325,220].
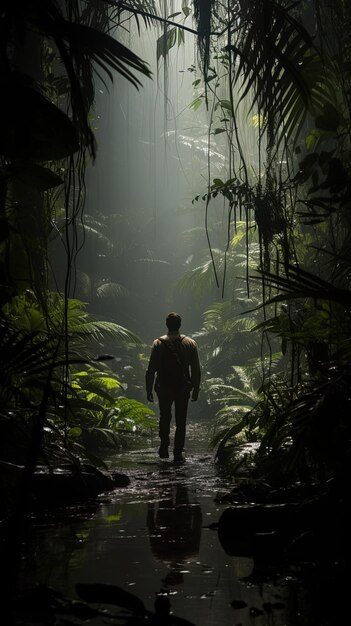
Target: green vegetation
[58,388]
[275,83]
[279,75]
[268,269]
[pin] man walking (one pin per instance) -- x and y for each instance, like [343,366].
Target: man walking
[175,361]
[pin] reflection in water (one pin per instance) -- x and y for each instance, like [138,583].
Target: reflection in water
[174,527]
[156,539]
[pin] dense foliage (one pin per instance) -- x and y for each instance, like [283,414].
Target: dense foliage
[278,74]
[274,81]
[58,389]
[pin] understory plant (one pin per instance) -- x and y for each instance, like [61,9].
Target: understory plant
[69,371]
[50,53]
[276,83]
[102,417]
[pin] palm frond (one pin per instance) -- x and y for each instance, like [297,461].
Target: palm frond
[96,329]
[299,283]
[200,280]
[111,290]
[82,49]
[278,63]
[108,53]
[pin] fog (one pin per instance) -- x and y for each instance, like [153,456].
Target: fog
[152,161]
[143,182]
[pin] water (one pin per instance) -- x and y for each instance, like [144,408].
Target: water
[154,537]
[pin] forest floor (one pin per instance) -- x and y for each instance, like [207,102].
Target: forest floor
[158,538]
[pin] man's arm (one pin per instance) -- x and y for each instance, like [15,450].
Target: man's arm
[195,373]
[150,373]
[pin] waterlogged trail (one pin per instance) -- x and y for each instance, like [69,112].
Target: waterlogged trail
[153,537]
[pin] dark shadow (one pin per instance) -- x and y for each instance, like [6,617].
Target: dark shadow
[174,527]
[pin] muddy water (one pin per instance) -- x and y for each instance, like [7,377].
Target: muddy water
[154,537]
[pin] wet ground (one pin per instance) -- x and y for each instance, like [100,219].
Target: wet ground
[155,537]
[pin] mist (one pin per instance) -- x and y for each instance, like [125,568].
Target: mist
[193,159]
[149,169]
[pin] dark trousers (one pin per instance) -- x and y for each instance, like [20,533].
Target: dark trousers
[166,397]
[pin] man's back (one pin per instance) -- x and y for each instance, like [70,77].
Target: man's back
[174,359]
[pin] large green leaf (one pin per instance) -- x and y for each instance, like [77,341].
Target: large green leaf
[165,42]
[105,51]
[33,175]
[31,127]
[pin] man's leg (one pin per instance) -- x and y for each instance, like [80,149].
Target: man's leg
[165,399]
[181,406]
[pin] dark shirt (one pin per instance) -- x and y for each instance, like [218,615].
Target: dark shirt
[164,364]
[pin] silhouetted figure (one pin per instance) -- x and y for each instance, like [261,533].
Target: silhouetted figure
[174,527]
[175,361]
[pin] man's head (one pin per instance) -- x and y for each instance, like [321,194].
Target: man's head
[173,321]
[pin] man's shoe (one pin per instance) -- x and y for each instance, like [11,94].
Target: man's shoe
[179,459]
[163,452]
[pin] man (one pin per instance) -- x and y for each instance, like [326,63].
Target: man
[175,361]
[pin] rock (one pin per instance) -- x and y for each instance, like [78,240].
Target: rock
[270,531]
[249,518]
[64,485]
[60,485]
[120,480]
[238,604]
[253,530]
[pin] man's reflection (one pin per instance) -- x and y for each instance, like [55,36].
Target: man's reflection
[174,527]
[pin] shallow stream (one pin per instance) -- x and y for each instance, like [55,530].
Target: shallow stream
[154,537]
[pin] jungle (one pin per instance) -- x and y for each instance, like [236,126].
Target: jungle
[189,156]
